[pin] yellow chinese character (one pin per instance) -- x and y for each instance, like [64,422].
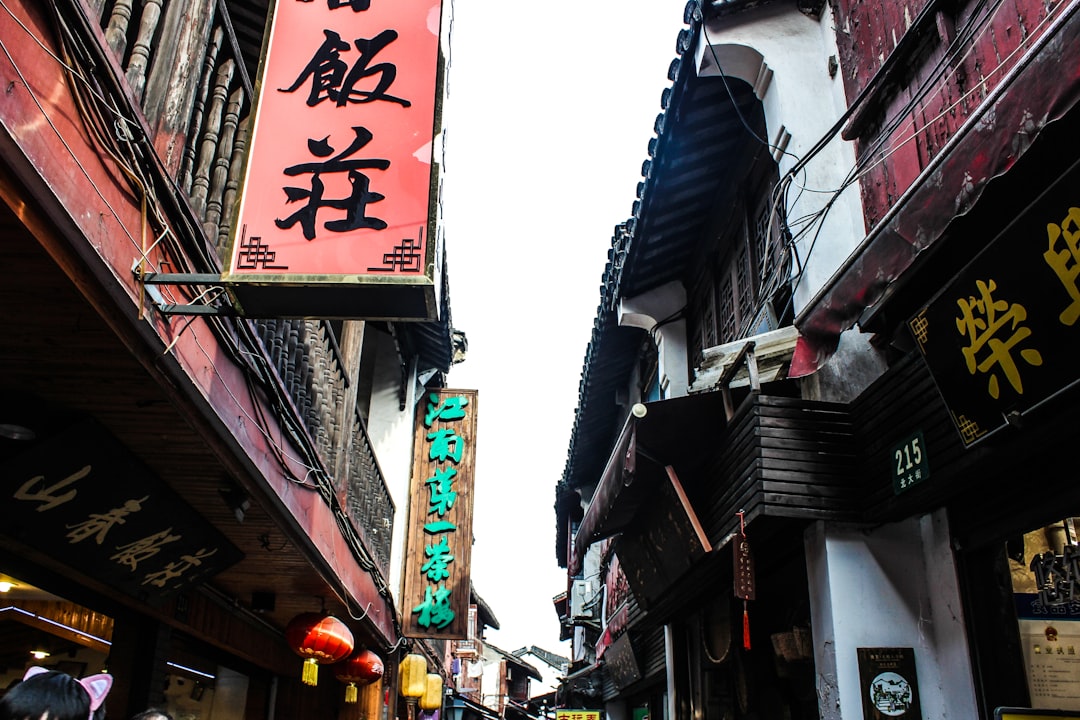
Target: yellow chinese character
[987,324]
[1066,262]
[177,568]
[35,490]
[99,524]
[134,553]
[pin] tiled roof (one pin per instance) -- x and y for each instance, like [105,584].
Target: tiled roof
[698,132]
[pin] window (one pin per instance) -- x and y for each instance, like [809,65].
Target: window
[745,289]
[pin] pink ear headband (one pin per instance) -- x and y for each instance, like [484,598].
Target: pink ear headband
[96,686]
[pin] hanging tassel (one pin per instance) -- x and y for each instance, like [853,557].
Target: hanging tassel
[745,626]
[351,693]
[310,675]
[744,577]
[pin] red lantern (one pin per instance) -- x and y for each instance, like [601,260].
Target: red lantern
[320,639]
[362,668]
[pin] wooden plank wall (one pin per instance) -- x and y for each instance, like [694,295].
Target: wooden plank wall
[1011,481]
[901,402]
[648,646]
[781,457]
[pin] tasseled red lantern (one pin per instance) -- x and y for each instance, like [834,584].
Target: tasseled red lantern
[320,639]
[362,667]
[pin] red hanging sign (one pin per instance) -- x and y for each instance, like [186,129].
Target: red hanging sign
[744,565]
[744,576]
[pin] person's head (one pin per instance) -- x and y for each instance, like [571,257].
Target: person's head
[49,695]
[152,714]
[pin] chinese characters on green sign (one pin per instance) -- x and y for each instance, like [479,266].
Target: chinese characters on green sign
[444,459]
[1001,338]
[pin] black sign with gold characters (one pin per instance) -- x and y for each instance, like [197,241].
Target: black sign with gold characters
[80,496]
[1003,336]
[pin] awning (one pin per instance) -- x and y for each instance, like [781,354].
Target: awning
[675,433]
[517,711]
[1040,89]
[459,708]
[582,672]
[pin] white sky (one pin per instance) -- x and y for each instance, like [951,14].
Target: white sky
[548,119]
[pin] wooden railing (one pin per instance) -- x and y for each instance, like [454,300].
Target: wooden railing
[304,355]
[184,68]
[311,373]
[367,498]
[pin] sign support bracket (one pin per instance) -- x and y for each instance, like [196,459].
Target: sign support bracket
[152,279]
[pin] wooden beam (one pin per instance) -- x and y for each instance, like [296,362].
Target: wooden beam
[685,502]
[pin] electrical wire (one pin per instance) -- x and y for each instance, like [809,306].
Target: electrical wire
[933,84]
[921,94]
[88,112]
[344,525]
[238,339]
[731,96]
[63,141]
[811,224]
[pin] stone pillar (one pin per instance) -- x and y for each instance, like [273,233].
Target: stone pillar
[893,585]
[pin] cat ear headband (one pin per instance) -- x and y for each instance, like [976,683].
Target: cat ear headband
[96,686]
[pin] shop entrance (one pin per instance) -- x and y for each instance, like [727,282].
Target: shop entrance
[1022,601]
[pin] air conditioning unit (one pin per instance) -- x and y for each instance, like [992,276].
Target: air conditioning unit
[581,597]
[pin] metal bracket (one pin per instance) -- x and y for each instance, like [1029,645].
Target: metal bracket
[746,354]
[156,278]
[151,279]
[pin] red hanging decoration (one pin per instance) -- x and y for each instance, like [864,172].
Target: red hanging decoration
[745,627]
[744,576]
[320,639]
[362,668]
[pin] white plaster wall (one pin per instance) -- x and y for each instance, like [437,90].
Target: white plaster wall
[550,676]
[391,438]
[491,681]
[890,586]
[651,312]
[785,55]
[580,650]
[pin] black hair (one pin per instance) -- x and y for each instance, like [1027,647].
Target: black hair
[152,714]
[55,693]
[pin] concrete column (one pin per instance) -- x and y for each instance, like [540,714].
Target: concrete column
[890,586]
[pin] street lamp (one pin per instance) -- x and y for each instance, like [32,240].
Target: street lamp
[455,706]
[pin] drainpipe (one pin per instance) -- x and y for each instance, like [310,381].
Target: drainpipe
[669,664]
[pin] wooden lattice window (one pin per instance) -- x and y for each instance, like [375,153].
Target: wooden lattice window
[750,266]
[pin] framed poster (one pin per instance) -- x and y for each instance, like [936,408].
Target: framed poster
[1050,638]
[888,684]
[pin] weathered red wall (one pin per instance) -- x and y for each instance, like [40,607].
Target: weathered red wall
[917,123]
[44,140]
